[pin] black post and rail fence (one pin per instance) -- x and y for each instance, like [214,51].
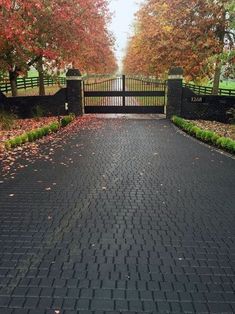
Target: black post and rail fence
[31,82]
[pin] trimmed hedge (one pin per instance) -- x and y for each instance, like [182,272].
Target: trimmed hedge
[66,120]
[209,137]
[34,135]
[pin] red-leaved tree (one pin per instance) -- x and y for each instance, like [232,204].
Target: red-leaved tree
[53,34]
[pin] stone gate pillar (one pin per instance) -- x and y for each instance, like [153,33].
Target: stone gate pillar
[74,92]
[174,94]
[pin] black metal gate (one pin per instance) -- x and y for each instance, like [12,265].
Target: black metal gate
[123,94]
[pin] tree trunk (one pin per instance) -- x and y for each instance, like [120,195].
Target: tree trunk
[13,81]
[216,81]
[41,77]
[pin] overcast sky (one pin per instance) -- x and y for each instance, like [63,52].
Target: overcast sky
[121,25]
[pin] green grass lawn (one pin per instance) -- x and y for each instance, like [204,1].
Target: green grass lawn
[34,73]
[223,84]
[226,84]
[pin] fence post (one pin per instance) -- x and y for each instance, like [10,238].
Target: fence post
[74,91]
[175,89]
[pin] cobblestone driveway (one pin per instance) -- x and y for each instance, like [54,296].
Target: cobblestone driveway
[141,221]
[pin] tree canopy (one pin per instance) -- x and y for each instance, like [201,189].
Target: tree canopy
[197,35]
[57,32]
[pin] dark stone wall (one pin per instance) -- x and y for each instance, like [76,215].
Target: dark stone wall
[206,107]
[25,107]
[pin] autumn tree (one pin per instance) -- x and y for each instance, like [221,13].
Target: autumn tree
[77,35]
[54,33]
[197,35]
[15,38]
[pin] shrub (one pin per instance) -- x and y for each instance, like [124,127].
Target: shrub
[194,130]
[12,143]
[24,138]
[46,130]
[205,135]
[66,120]
[209,136]
[214,138]
[7,120]
[187,126]
[35,135]
[177,120]
[199,133]
[220,141]
[230,145]
[38,133]
[18,140]
[54,127]
[224,142]
[8,145]
[30,136]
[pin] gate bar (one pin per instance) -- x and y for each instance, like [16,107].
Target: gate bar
[124,89]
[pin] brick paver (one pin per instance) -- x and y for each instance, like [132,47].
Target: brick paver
[139,219]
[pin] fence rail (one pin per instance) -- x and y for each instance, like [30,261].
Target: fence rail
[31,82]
[205,90]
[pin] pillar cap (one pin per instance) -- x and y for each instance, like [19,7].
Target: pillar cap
[73,75]
[73,72]
[175,73]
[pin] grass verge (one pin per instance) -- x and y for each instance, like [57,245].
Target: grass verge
[36,134]
[206,136]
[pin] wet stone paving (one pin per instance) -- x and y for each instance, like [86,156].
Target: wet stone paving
[130,217]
